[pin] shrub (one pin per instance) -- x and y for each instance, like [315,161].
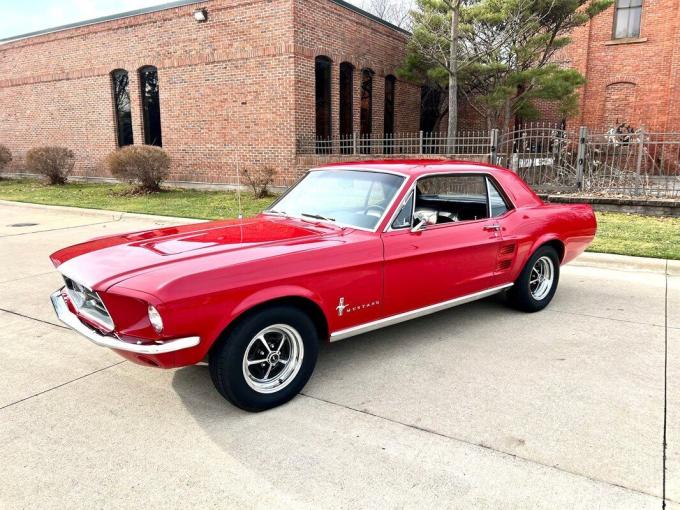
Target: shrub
[5,157]
[146,165]
[55,163]
[259,180]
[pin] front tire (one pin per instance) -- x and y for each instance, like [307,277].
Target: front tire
[536,285]
[266,359]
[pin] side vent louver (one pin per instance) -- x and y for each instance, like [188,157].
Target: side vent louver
[507,249]
[504,264]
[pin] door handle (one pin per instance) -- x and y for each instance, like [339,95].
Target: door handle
[493,228]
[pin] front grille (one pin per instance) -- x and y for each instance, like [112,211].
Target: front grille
[88,303]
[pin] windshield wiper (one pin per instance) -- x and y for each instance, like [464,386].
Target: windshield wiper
[317,216]
[272,211]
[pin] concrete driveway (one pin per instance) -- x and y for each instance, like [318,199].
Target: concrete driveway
[476,407]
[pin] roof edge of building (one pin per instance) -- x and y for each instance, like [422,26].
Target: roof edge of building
[172,5]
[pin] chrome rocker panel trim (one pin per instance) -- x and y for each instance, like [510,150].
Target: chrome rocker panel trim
[413,314]
[71,320]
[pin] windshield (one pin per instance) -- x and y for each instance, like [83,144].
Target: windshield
[356,198]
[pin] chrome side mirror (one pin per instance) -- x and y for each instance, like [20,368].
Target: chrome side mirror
[423,218]
[420,225]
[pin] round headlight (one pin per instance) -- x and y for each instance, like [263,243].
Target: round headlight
[155,319]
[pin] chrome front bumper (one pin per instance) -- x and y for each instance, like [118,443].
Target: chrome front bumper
[71,320]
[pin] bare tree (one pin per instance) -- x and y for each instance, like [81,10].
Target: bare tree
[397,12]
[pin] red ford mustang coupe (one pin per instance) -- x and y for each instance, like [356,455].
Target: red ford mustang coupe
[350,248]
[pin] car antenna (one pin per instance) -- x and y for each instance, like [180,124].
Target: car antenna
[238,187]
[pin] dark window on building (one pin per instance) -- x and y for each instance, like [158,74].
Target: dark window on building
[121,102]
[346,104]
[148,82]
[627,18]
[366,109]
[322,79]
[430,103]
[388,118]
[430,99]
[390,82]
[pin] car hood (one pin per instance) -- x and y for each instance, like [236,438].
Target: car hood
[105,261]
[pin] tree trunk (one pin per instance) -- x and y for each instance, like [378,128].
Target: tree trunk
[453,78]
[507,114]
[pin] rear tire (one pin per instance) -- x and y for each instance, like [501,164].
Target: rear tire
[266,359]
[536,285]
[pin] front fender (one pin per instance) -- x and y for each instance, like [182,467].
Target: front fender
[262,296]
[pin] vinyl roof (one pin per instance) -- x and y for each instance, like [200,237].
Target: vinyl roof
[414,166]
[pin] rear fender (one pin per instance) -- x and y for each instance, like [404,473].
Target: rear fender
[540,241]
[544,239]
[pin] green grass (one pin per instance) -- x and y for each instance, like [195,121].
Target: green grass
[624,234]
[640,236]
[117,197]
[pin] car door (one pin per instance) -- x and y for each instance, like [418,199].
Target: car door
[449,258]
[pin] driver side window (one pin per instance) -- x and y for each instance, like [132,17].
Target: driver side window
[452,198]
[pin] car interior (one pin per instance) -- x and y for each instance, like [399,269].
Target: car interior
[450,208]
[448,199]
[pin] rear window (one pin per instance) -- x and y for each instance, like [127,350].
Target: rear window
[497,204]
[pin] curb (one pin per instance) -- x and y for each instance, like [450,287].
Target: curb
[627,263]
[102,213]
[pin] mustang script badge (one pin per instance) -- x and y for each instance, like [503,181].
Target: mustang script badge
[342,306]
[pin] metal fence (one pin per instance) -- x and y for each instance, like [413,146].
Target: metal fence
[466,142]
[637,163]
[548,158]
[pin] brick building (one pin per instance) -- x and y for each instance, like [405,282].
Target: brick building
[250,82]
[630,57]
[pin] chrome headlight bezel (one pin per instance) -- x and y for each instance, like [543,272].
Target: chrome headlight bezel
[155,319]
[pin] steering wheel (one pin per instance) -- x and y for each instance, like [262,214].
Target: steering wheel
[374,210]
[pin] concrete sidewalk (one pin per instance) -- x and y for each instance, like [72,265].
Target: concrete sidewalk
[479,406]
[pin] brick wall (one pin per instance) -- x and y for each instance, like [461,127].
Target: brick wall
[324,28]
[635,81]
[239,87]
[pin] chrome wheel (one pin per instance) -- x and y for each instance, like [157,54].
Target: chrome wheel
[541,278]
[273,358]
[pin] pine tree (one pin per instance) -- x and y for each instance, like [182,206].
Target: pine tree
[499,55]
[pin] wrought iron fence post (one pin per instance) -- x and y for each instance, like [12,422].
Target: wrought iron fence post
[420,142]
[638,164]
[494,146]
[581,156]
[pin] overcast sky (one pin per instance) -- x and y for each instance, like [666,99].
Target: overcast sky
[19,17]
[22,16]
